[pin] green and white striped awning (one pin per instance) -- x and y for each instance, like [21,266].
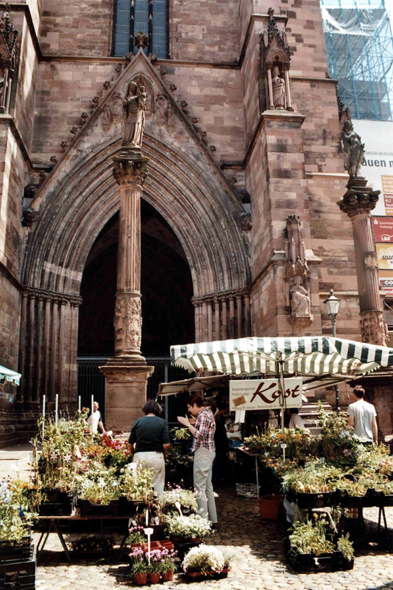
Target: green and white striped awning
[8,376]
[307,356]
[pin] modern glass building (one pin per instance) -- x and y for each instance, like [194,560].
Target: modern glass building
[359,47]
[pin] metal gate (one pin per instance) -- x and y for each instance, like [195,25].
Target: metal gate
[92,382]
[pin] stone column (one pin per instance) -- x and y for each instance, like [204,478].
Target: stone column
[127,373]
[357,202]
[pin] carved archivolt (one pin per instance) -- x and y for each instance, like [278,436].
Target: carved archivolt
[128,324]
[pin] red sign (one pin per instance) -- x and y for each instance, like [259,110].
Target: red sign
[386,286]
[383,229]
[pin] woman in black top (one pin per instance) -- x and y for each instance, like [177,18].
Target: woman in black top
[149,440]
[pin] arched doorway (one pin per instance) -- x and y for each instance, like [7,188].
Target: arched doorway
[168,314]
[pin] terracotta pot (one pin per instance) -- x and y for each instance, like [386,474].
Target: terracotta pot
[167,576]
[154,577]
[140,579]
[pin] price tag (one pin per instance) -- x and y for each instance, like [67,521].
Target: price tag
[266,454]
[283,445]
[148,531]
[322,460]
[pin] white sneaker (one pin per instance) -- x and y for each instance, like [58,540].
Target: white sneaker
[215,495]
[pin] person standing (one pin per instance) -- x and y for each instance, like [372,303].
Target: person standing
[95,419]
[149,440]
[362,417]
[204,454]
[296,421]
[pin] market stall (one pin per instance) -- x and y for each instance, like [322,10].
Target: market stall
[332,470]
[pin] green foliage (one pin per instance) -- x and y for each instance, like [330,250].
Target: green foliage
[16,510]
[181,434]
[310,537]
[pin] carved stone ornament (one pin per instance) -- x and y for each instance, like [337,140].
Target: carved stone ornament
[245,221]
[370,261]
[165,116]
[130,168]
[141,39]
[359,198]
[128,323]
[113,113]
[373,327]
[8,39]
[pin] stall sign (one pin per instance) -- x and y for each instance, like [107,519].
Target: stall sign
[386,286]
[265,394]
[383,229]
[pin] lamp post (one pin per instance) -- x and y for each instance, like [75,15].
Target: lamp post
[332,305]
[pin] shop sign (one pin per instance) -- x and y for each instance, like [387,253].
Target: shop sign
[386,286]
[383,229]
[264,394]
[385,256]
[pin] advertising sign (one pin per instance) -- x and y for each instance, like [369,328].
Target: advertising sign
[386,286]
[264,394]
[383,228]
[385,256]
[378,161]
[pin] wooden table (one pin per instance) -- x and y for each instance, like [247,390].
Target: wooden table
[53,525]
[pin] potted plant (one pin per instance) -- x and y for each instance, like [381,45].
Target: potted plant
[186,499]
[168,565]
[155,566]
[136,535]
[185,528]
[16,516]
[139,566]
[135,487]
[203,560]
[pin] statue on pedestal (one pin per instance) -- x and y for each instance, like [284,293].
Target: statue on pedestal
[300,301]
[353,149]
[134,106]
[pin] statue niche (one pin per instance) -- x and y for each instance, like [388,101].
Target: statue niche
[298,275]
[275,63]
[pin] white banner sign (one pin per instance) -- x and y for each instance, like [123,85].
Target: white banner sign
[264,394]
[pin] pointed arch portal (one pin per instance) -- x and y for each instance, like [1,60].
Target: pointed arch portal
[192,235]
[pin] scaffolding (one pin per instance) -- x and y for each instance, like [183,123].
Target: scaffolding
[359,47]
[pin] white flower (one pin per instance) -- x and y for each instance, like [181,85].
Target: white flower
[101,483]
[205,557]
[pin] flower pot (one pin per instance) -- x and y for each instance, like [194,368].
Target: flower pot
[154,577]
[167,576]
[140,579]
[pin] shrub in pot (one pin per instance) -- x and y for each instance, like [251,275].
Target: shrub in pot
[204,560]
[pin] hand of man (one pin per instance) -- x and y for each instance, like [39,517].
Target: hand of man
[184,420]
[192,420]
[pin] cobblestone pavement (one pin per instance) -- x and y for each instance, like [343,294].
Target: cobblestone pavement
[257,544]
[260,562]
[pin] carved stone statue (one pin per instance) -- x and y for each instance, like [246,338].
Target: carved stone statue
[278,89]
[300,301]
[353,149]
[134,106]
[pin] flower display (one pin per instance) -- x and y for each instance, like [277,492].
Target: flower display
[205,559]
[16,509]
[193,526]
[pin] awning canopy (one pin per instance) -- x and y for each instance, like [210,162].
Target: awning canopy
[194,384]
[321,360]
[8,376]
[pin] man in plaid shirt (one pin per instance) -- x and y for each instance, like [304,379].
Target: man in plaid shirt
[204,454]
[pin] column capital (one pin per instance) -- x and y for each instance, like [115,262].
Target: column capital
[359,198]
[130,167]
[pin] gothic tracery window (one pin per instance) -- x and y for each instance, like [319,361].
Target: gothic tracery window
[132,16]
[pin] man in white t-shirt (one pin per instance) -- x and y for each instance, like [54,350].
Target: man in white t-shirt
[95,420]
[362,417]
[296,421]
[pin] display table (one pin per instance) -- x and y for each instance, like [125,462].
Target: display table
[53,526]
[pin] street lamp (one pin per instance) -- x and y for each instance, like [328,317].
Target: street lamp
[332,305]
